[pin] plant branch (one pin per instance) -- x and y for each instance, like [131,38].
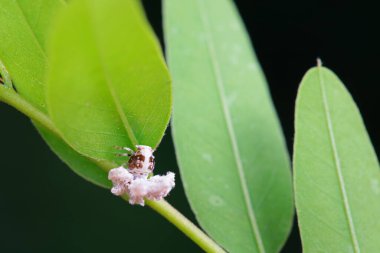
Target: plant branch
[10,97]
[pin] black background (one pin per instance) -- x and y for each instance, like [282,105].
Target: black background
[44,207]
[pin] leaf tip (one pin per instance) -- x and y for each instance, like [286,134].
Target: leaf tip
[319,62]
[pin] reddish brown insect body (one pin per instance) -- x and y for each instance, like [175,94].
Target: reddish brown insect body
[142,161]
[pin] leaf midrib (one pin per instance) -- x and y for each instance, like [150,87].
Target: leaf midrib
[115,99]
[230,128]
[338,166]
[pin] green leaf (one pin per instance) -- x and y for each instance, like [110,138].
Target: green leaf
[81,165]
[337,179]
[108,84]
[24,28]
[24,25]
[228,140]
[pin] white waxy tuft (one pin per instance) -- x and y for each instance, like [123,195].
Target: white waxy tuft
[138,189]
[120,178]
[160,186]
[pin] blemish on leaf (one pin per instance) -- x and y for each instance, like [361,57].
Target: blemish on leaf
[231,98]
[215,200]
[207,157]
[174,30]
[252,66]
[375,185]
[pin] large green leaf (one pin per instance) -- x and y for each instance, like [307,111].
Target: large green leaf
[23,28]
[228,141]
[108,84]
[337,177]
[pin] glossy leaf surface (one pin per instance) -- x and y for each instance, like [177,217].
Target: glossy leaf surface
[108,84]
[337,177]
[228,140]
[25,26]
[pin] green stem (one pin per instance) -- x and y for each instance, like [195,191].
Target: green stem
[10,97]
[186,226]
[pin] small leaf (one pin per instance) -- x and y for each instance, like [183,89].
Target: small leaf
[228,140]
[337,177]
[108,84]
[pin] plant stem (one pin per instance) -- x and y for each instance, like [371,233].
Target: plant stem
[10,97]
[186,226]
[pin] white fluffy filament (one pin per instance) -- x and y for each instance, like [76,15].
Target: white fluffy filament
[140,188]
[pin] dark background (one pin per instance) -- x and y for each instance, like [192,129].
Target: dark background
[44,207]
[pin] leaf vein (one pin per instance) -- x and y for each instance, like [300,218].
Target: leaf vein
[338,165]
[115,99]
[230,128]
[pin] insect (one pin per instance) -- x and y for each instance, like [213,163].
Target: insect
[135,178]
[141,162]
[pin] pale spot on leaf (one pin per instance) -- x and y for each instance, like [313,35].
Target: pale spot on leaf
[375,185]
[207,157]
[215,200]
